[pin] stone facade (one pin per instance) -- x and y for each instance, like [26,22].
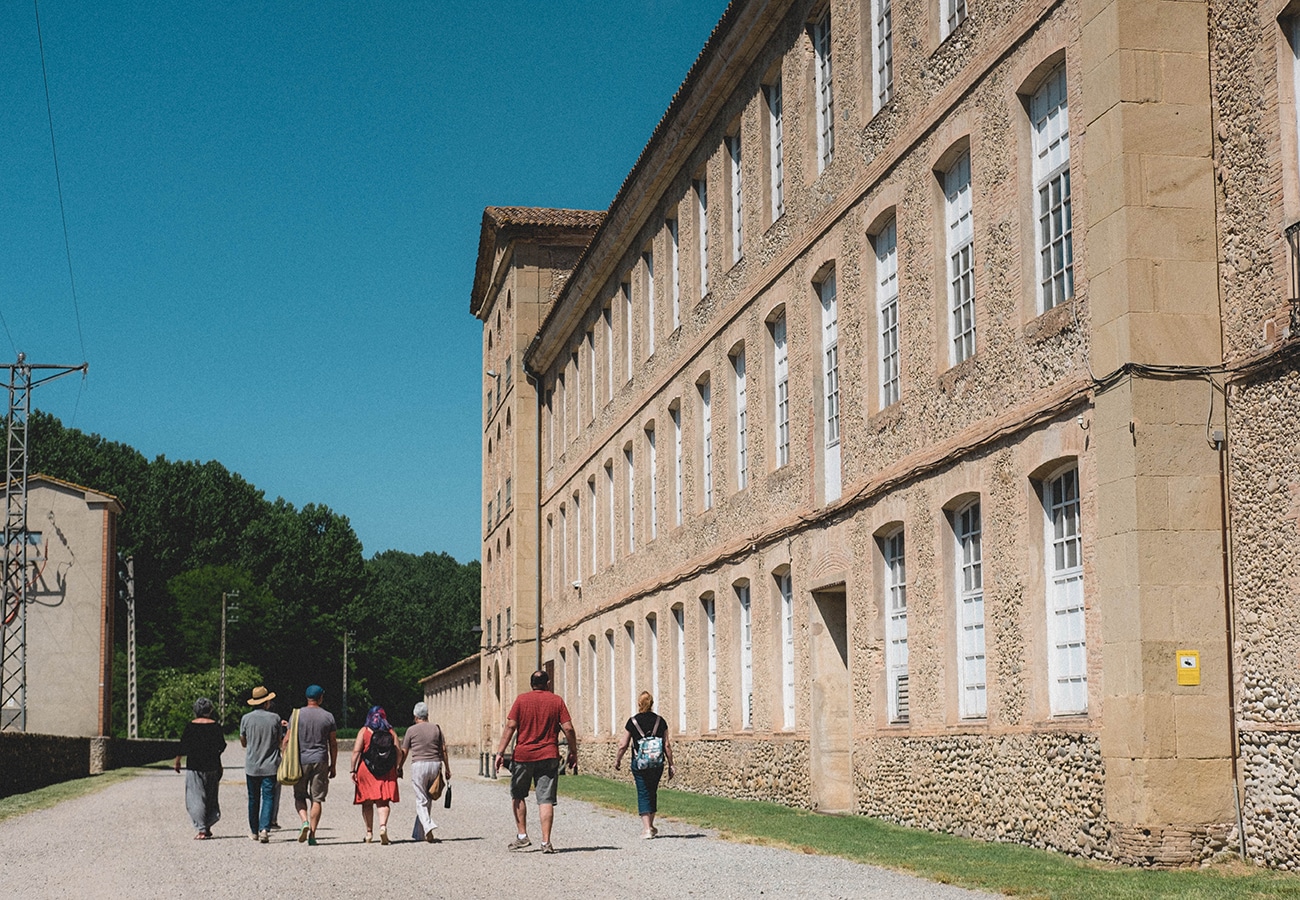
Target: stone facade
[1257,152]
[524,256]
[1016,596]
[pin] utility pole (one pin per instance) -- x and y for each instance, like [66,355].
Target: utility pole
[221,716]
[13,608]
[344,721]
[126,572]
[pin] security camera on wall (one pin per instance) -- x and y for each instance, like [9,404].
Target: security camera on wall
[577,585]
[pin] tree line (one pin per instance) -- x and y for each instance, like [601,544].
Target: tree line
[196,530]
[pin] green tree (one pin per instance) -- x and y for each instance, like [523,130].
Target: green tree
[171,704]
[250,609]
[412,619]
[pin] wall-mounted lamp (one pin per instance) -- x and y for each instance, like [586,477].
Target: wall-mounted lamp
[492,373]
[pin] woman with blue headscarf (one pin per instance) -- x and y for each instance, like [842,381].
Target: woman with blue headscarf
[201,745]
[376,766]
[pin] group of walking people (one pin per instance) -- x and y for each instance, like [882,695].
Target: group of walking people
[310,737]
[536,719]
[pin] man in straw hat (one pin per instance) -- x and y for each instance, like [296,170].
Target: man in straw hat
[260,731]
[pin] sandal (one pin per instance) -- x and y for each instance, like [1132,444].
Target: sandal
[201,836]
[383,836]
[368,838]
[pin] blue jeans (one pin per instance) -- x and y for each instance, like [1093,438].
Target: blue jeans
[647,790]
[261,793]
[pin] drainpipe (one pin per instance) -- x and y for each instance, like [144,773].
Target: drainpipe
[1234,739]
[535,379]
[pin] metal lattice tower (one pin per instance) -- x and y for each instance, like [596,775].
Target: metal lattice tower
[13,636]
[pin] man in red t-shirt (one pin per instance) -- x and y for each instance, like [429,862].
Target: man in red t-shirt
[538,716]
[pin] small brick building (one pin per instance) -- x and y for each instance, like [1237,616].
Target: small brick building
[71,597]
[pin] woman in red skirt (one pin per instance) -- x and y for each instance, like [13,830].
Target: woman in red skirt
[376,767]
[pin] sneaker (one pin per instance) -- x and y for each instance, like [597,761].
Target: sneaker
[519,844]
[302,832]
[264,837]
[254,836]
[548,848]
[311,840]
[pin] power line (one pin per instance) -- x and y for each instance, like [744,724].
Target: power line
[58,181]
[8,334]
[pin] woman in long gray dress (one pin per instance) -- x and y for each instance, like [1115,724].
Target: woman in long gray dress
[201,744]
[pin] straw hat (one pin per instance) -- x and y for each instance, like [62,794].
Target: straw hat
[261,695]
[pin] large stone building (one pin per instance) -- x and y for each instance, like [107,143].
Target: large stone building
[919,424]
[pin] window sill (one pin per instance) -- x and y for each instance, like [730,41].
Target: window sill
[1056,321]
[953,381]
[887,419]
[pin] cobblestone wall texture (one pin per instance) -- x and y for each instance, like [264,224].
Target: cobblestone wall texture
[776,772]
[1044,790]
[1266,567]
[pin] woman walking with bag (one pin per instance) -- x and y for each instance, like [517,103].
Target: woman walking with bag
[426,748]
[652,753]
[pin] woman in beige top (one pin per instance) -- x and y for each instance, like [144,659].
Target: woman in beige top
[426,749]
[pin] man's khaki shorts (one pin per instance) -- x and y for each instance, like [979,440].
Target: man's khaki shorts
[315,782]
[544,772]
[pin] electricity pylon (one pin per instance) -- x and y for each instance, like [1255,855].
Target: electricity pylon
[23,377]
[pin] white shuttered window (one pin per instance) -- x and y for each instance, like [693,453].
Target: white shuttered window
[887,312]
[894,552]
[961,260]
[1066,635]
[825,83]
[972,688]
[1049,110]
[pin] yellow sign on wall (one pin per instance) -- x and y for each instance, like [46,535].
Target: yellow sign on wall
[1189,667]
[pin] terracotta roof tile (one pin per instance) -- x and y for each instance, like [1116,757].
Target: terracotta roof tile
[502,216]
[501,223]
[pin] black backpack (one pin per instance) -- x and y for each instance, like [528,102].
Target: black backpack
[381,753]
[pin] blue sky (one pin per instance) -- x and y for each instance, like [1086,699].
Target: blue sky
[273,210]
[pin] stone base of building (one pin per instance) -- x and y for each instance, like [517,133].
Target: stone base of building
[1169,846]
[1043,790]
[1271,798]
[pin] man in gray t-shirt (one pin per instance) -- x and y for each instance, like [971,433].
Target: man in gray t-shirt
[260,733]
[318,747]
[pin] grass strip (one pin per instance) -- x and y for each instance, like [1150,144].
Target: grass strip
[44,798]
[1009,869]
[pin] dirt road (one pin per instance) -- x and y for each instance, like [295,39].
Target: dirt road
[134,840]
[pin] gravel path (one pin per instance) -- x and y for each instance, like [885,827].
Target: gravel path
[133,840]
